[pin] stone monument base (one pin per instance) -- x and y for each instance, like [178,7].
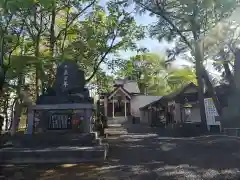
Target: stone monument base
[52,148]
[61,154]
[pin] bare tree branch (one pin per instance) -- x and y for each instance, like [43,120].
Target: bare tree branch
[96,66]
[161,13]
[16,45]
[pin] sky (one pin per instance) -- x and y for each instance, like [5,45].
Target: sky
[155,46]
[152,45]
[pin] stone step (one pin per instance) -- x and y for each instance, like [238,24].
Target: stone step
[61,154]
[112,131]
[115,125]
[117,120]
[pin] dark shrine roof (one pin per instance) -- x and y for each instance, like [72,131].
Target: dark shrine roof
[179,91]
[222,92]
[171,96]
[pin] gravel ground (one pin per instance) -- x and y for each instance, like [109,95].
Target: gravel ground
[143,154]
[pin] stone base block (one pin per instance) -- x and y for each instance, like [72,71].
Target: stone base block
[61,154]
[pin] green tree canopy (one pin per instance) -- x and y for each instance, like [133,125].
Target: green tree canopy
[37,35]
[151,72]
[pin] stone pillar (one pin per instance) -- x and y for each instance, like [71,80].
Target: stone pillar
[30,120]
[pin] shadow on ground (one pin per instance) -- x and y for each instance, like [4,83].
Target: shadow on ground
[143,154]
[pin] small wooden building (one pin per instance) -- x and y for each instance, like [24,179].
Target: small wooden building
[177,107]
[123,103]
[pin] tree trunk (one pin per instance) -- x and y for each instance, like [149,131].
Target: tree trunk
[5,111]
[2,68]
[52,43]
[17,107]
[212,91]
[12,113]
[198,59]
[16,116]
[37,79]
[228,74]
[237,69]
[52,30]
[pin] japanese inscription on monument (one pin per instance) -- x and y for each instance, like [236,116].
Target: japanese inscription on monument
[69,77]
[65,82]
[60,121]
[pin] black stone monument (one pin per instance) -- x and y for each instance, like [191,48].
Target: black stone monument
[69,78]
[69,87]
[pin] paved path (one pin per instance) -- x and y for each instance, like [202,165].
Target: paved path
[143,154]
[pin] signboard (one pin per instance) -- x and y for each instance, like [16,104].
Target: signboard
[211,111]
[60,121]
